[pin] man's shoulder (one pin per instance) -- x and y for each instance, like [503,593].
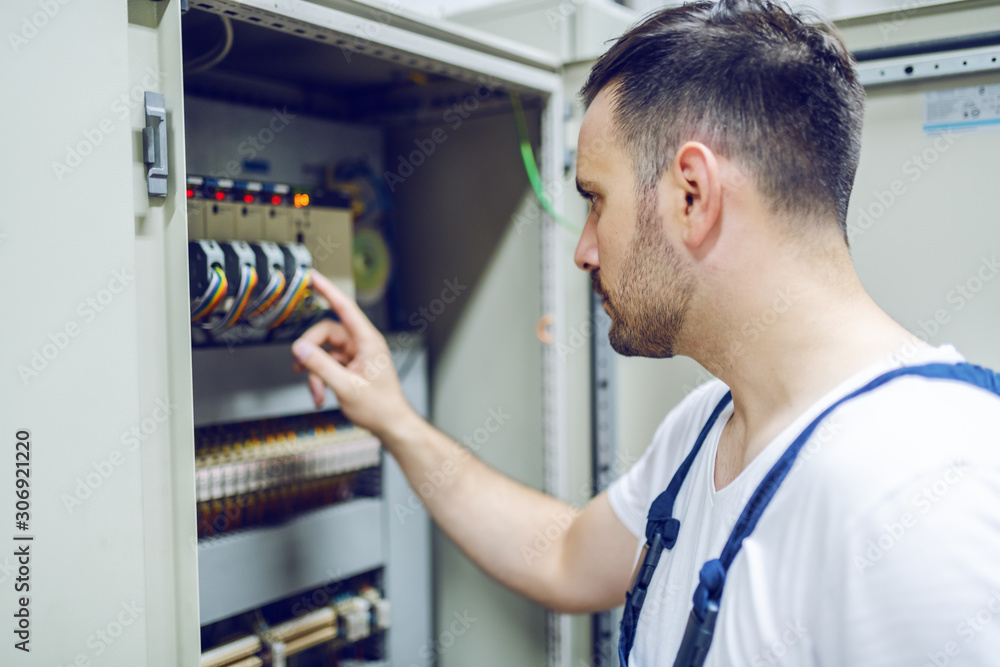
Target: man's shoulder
[915,414]
[680,427]
[881,444]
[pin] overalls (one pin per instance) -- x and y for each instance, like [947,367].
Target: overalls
[662,527]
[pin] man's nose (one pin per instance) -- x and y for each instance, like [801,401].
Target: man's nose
[586,249]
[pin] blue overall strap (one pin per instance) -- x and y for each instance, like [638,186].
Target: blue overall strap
[661,533]
[712,577]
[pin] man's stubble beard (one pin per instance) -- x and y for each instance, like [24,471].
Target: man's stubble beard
[649,307]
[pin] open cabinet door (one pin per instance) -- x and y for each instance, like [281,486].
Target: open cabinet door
[95,392]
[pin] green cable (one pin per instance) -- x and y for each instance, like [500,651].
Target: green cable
[531,167]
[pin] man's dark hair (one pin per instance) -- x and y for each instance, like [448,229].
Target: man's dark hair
[757,83]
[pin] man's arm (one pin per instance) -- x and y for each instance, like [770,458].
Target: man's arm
[570,560]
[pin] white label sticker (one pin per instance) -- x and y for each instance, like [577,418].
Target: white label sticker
[962,109]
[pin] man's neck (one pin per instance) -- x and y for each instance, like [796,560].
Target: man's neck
[784,352]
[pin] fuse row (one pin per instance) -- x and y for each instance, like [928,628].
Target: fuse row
[350,618]
[276,505]
[265,472]
[263,466]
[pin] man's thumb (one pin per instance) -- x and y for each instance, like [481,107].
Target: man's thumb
[315,359]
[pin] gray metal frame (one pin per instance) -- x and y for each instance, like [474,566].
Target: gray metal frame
[929,66]
[604,417]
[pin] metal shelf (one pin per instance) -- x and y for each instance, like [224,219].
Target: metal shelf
[245,570]
[257,381]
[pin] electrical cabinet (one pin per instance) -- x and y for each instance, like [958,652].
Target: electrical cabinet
[166,145]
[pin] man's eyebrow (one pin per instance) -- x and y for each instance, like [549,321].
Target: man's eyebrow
[585,188]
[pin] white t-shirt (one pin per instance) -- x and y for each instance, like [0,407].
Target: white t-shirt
[881,547]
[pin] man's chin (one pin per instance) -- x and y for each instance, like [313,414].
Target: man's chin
[624,342]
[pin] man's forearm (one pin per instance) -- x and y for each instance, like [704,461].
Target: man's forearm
[513,532]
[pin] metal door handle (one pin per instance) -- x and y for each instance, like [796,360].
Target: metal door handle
[154,144]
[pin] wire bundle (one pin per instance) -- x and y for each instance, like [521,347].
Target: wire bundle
[270,294]
[209,301]
[293,296]
[265,311]
[248,282]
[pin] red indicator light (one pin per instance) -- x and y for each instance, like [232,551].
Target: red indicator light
[248,199]
[275,200]
[190,193]
[220,195]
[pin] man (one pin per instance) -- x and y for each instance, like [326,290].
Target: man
[718,154]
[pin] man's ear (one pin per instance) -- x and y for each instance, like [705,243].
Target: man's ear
[694,185]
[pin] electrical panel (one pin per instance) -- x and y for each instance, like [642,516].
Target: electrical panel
[292,503]
[341,181]
[259,480]
[251,248]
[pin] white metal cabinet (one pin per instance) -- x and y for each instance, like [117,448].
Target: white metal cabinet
[117,574]
[106,397]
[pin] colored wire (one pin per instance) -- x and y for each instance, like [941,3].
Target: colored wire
[528,157]
[293,297]
[216,291]
[270,294]
[248,281]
